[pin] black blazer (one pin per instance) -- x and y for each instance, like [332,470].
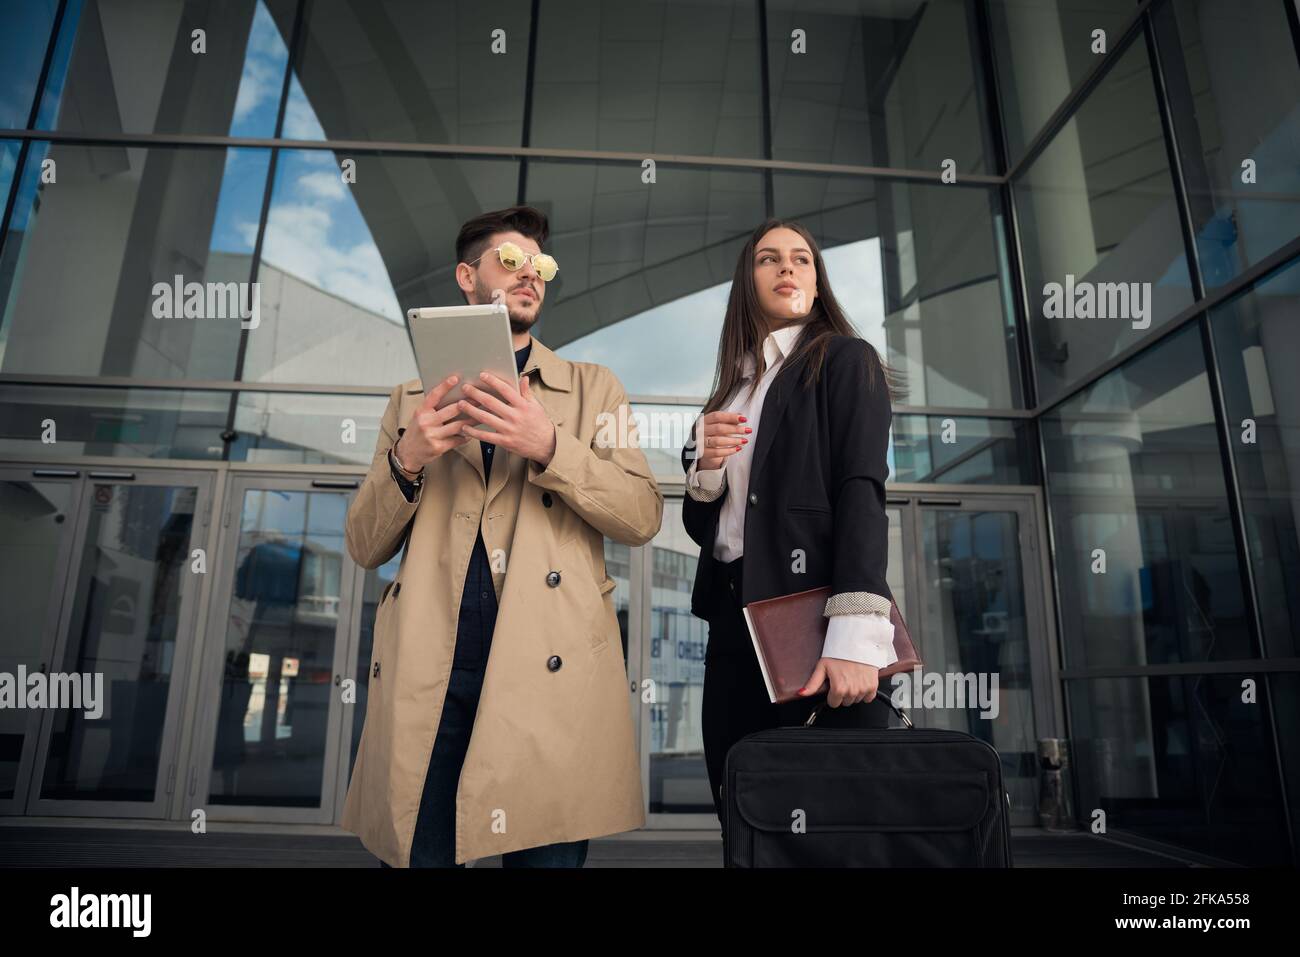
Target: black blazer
[817,483]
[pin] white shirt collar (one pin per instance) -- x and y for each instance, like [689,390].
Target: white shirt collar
[777,344]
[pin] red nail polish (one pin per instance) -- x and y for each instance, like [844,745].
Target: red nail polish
[748,429]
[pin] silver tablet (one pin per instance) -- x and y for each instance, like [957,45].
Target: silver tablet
[464,340]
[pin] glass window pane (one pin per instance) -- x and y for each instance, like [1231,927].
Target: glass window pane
[24,37]
[654,76]
[1104,258]
[1043,50]
[42,422]
[287,428]
[125,262]
[679,782]
[280,633]
[138,66]
[1257,339]
[1180,760]
[1234,89]
[411,71]
[920,271]
[1145,554]
[8,166]
[879,84]
[662,431]
[963,450]
[342,262]
[645,270]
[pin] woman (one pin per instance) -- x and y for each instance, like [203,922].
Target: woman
[786,467]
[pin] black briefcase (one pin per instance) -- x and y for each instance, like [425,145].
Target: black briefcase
[841,797]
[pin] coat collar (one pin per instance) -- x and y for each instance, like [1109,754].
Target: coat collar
[557,373]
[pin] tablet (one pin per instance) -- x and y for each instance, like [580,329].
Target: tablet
[464,340]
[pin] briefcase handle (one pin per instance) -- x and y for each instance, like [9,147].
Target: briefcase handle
[892,707]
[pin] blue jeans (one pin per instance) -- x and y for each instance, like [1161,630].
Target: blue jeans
[434,844]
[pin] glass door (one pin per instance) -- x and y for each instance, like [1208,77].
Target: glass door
[38,520]
[278,653]
[978,614]
[126,628]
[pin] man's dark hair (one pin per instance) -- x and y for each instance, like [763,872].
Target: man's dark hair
[475,234]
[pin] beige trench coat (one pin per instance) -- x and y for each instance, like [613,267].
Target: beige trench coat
[552,756]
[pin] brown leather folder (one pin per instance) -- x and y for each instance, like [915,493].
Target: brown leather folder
[789,631]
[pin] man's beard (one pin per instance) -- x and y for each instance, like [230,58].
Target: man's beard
[519,322]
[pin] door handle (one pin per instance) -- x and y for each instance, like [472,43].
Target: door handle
[939,501]
[125,476]
[334,483]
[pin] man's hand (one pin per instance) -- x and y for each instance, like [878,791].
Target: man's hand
[719,435]
[521,424]
[851,681]
[429,433]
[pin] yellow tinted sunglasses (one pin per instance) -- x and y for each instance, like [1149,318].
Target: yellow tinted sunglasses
[513,258]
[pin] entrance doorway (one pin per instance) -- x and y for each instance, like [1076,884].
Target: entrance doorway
[98,578]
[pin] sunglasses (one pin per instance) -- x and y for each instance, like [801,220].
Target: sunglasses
[513,258]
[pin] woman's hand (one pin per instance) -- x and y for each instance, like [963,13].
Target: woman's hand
[718,435]
[851,681]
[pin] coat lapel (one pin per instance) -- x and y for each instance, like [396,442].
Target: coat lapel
[548,375]
[774,403]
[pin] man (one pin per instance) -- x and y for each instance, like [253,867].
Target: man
[500,619]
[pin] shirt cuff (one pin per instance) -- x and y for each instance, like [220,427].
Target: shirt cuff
[867,638]
[708,485]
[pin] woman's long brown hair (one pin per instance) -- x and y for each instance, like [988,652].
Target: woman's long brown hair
[744,326]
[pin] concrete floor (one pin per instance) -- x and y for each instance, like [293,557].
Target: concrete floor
[31,842]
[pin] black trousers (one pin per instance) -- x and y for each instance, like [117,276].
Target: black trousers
[735,698]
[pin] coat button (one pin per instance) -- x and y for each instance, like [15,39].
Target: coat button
[376,671]
[553,663]
[546,499]
[553,579]
[753,498]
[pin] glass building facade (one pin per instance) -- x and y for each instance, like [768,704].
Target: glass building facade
[1074,228]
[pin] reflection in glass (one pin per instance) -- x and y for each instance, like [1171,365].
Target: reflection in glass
[342,262]
[128,66]
[1182,760]
[644,272]
[1257,338]
[33,526]
[919,269]
[24,36]
[83,256]
[279,650]
[881,84]
[126,618]
[1043,50]
[655,77]
[1145,555]
[285,427]
[130,423]
[976,627]
[963,450]
[412,71]
[1099,221]
[1234,85]
[679,782]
